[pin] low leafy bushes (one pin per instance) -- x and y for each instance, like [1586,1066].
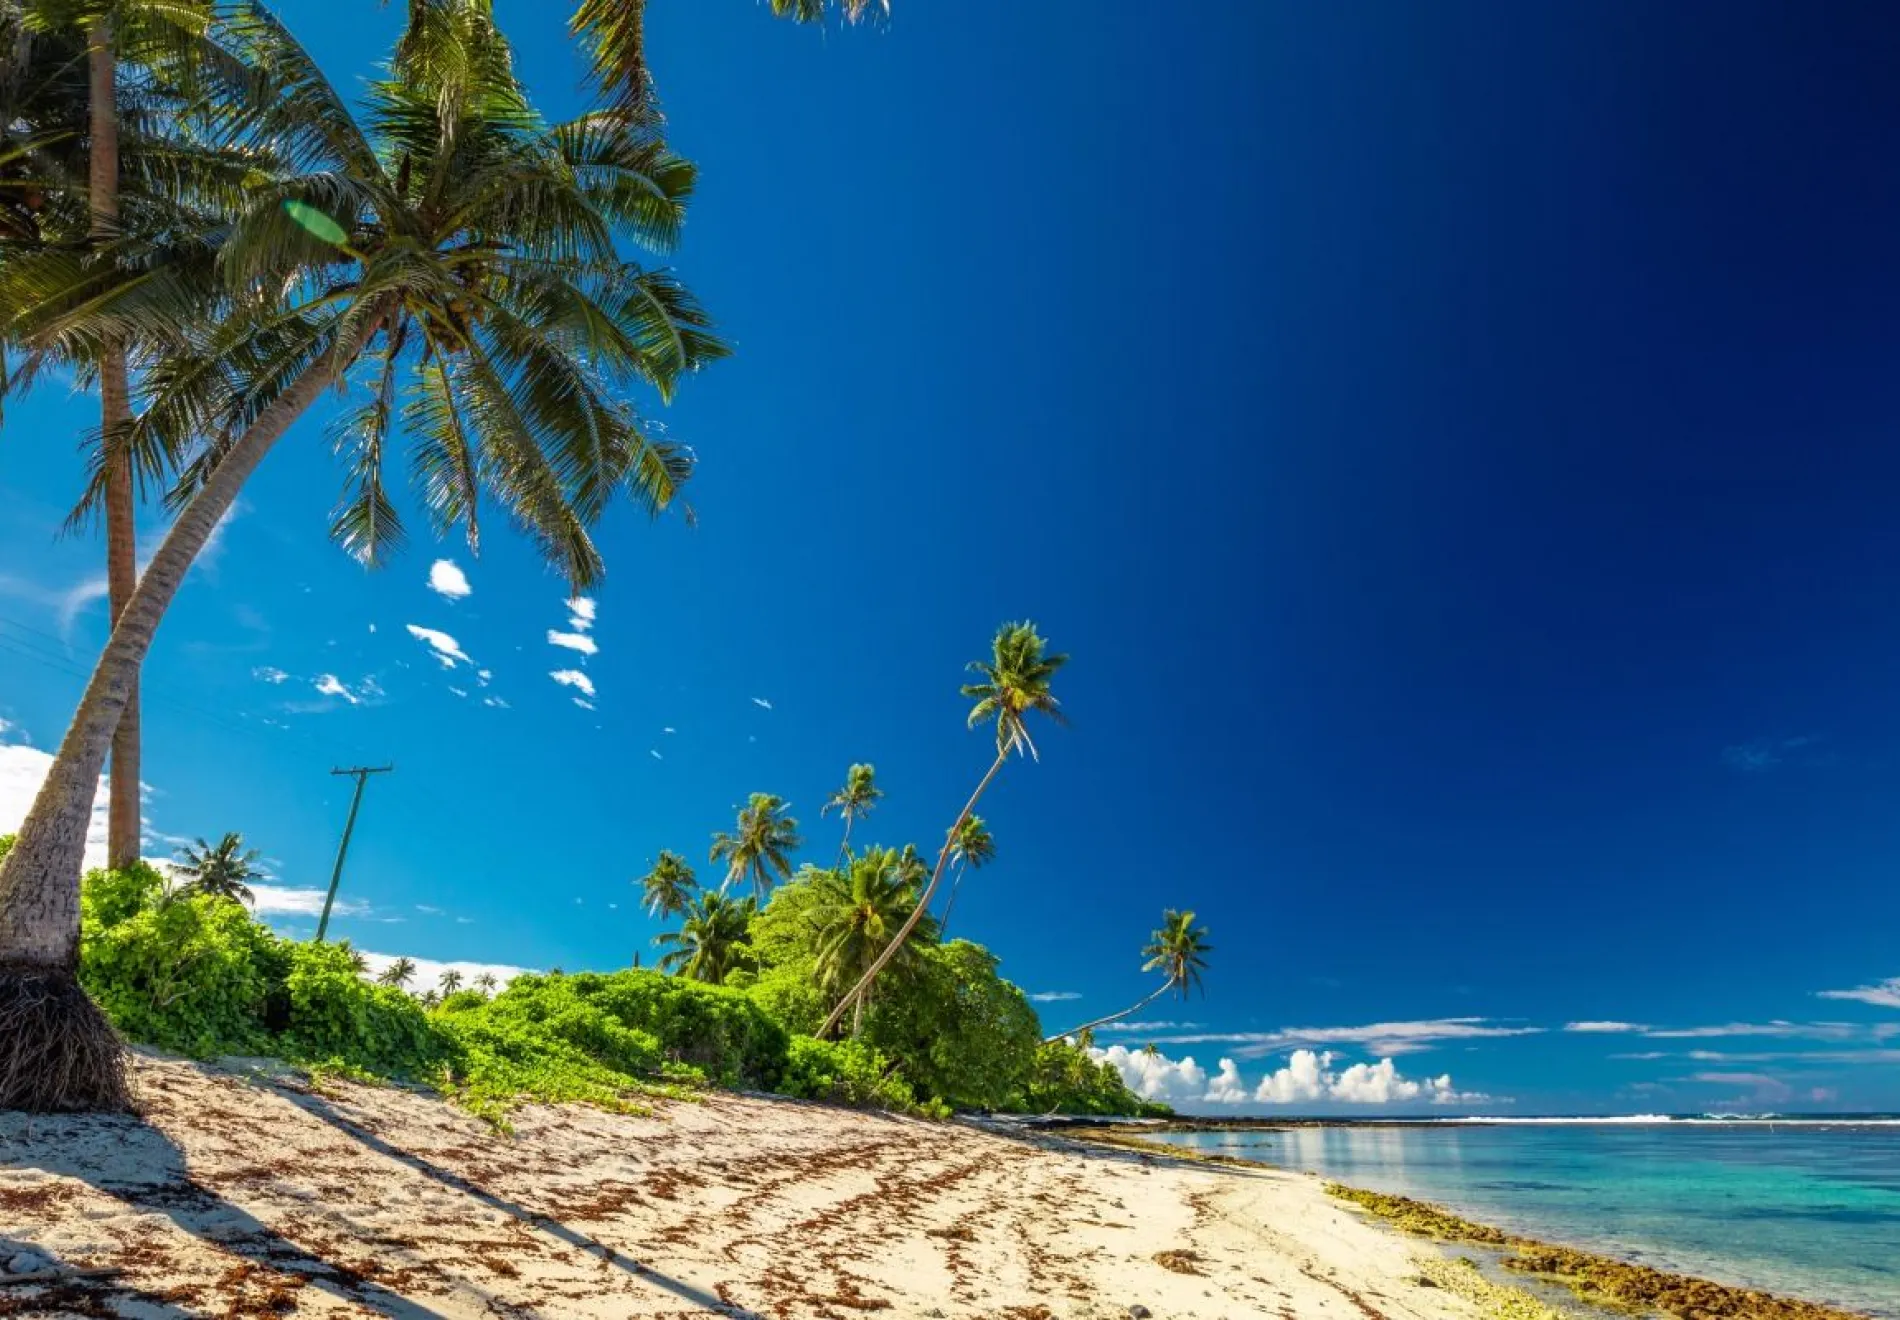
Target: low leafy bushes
[1065,1080]
[847,1072]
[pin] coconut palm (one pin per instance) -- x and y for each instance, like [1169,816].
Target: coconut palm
[461,254]
[761,846]
[1015,684]
[858,796]
[218,871]
[399,973]
[668,889]
[449,982]
[711,941]
[858,911]
[429,999]
[1178,951]
[485,983]
[971,849]
[358,963]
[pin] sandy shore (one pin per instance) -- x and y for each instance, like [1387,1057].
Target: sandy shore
[237,1196]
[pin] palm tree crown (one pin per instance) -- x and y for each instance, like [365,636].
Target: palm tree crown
[219,871]
[668,889]
[449,982]
[855,800]
[711,941]
[1178,951]
[1015,681]
[760,847]
[972,844]
[858,912]
[399,973]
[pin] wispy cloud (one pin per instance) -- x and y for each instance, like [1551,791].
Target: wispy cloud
[1054,996]
[574,641]
[761,703]
[295,901]
[1760,755]
[1147,1026]
[575,679]
[447,579]
[1389,1038]
[1881,994]
[1605,1027]
[447,651]
[581,611]
[269,674]
[330,685]
[1777,1028]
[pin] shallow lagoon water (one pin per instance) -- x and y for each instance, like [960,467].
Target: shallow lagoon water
[1808,1209]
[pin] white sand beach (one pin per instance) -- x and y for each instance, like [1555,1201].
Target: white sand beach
[238,1195]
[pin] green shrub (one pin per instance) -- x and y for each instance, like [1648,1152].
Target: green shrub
[961,1033]
[332,1014]
[845,1072]
[717,1031]
[109,897]
[1065,1080]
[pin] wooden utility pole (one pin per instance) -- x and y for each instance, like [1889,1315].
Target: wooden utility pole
[361,774]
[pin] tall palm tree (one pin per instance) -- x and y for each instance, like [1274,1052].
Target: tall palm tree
[358,963]
[858,796]
[219,871]
[760,847]
[711,941]
[971,849]
[449,982]
[1178,951]
[858,912]
[1015,684]
[460,251]
[485,983]
[668,889]
[399,973]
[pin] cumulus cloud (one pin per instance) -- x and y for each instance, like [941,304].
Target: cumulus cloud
[1604,1027]
[1385,1038]
[1881,994]
[1307,1077]
[447,651]
[447,579]
[1054,996]
[573,641]
[575,679]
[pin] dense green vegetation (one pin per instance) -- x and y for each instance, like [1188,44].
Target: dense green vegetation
[194,972]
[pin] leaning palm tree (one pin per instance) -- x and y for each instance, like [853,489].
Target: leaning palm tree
[449,982]
[668,889]
[218,871]
[1178,951]
[399,973]
[858,796]
[1015,683]
[971,849]
[760,848]
[711,941]
[858,911]
[459,251]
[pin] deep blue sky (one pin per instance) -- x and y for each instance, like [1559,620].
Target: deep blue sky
[1456,443]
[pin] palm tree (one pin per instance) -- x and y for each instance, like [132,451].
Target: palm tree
[711,941]
[449,982]
[220,871]
[399,973]
[971,849]
[669,887]
[428,999]
[460,250]
[1178,951]
[857,912]
[760,847]
[358,963]
[485,983]
[858,796]
[1015,683]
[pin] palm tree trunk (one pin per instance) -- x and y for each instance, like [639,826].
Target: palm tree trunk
[923,901]
[56,1050]
[115,414]
[844,848]
[1112,1017]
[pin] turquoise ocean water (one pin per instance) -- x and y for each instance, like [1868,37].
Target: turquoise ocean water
[1808,1208]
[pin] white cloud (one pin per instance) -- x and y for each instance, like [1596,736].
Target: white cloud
[294,901]
[460,692]
[269,674]
[429,971]
[330,685]
[1306,1078]
[580,613]
[667,729]
[447,651]
[1054,996]
[447,579]
[22,769]
[654,753]
[496,702]
[1378,1037]
[1881,994]
[483,675]
[584,703]
[574,641]
[761,703]
[1604,1027]
[573,678]
[1148,1026]
[1777,1028]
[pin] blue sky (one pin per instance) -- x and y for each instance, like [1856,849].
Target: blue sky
[1455,444]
